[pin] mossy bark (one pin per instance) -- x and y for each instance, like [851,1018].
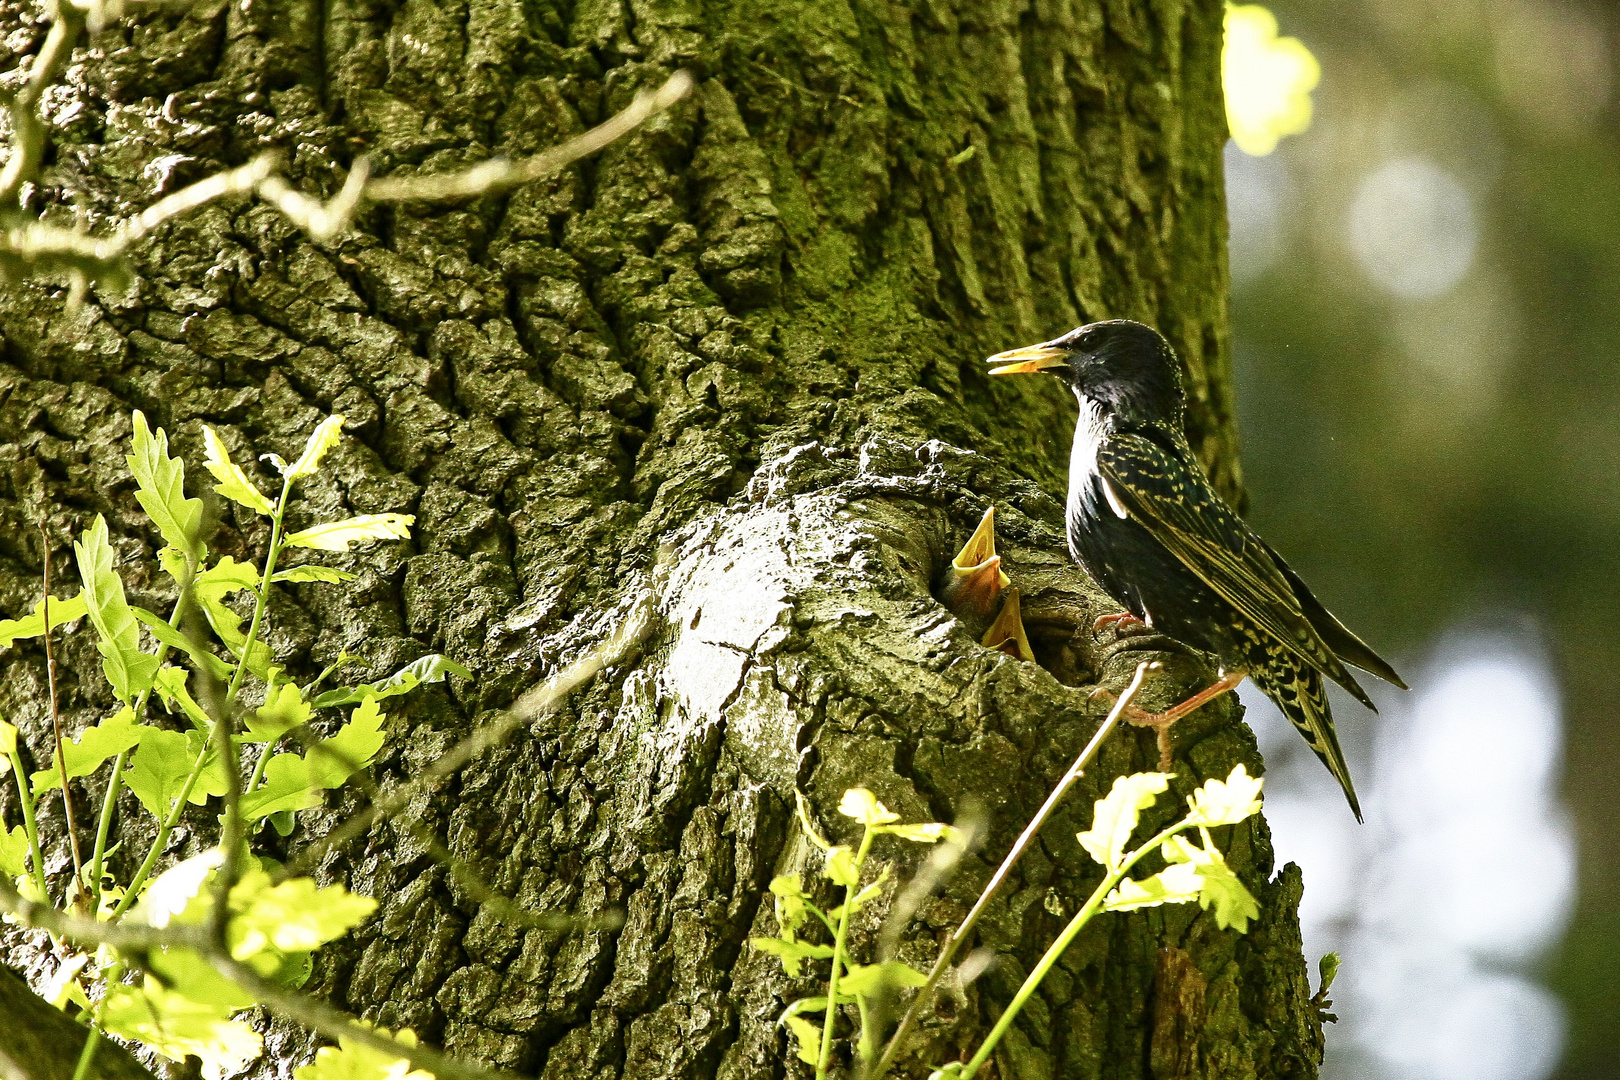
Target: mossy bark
[731,366]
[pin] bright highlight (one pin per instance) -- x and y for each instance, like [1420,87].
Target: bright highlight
[1268,80]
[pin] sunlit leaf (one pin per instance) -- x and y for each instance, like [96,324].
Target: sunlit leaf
[869,979]
[1221,890]
[841,866]
[792,953]
[311,572]
[334,760]
[211,780]
[171,687]
[806,1038]
[13,851]
[174,639]
[212,586]
[427,669]
[84,754]
[118,635]
[790,899]
[862,805]
[159,769]
[324,437]
[233,482]
[295,916]
[1117,814]
[1178,883]
[187,972]
[177,894]
[1227,802]
[8,738]
[338,535]
[29,626]
[352,1060]
[161,482]
[294,782]
[173,1025]
[1268,80]
[286,786]
[925,833]
[283,710]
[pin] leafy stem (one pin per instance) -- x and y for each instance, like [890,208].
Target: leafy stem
[840,955]
[1057,948]
[25,795]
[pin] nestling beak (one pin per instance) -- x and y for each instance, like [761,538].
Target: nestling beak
[1007,632]
[976,575]
[1029,359]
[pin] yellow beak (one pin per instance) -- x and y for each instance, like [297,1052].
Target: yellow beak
[1029,359]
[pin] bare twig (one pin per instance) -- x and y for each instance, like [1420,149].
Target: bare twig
[308,1011]
[56,719]
[35,247]
[925,993]
[495,176]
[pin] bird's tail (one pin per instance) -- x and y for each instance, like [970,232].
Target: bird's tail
[1299,693]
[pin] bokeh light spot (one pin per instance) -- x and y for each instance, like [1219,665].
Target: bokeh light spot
[1413,229]
[1268,80]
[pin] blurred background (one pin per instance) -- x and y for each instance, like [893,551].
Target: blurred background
[1426,313]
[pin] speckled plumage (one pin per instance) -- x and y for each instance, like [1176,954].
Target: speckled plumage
[1147,525]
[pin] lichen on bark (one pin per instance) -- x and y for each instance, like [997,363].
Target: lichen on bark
[731,365]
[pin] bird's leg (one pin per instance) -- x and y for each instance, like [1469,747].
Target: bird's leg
[1120,623]
[1161,722]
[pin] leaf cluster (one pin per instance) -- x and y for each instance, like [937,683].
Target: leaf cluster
[197,662]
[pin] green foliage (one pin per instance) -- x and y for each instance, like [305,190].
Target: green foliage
[1196,872]
[351,1060]
[848,982]
[118,635]
[183,1004]
[31,626]
[160,489]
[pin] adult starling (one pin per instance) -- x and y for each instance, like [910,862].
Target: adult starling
[1146,524]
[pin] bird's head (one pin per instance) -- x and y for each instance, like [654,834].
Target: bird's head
[1123,367]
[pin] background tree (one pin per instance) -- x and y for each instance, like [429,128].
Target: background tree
[728,372]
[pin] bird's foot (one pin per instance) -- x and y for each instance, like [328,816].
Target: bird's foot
[1122,623]
[1161,722]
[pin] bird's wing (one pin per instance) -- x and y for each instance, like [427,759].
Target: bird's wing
[1172,500]
[1339,638]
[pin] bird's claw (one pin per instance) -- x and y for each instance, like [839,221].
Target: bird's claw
[1161,722]
[1120,622]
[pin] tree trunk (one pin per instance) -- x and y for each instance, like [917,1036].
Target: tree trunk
[732,369]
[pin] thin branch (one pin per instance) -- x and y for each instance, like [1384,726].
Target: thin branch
[238,181]
[495,176]
[536,702]
[925,993]
[334,1024]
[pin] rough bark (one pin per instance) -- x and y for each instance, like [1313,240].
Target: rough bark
[731,365]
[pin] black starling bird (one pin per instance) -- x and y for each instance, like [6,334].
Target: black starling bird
[1147,526]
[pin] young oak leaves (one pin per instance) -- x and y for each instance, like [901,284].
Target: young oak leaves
[181,1006]
[1196,872]
[848,982]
